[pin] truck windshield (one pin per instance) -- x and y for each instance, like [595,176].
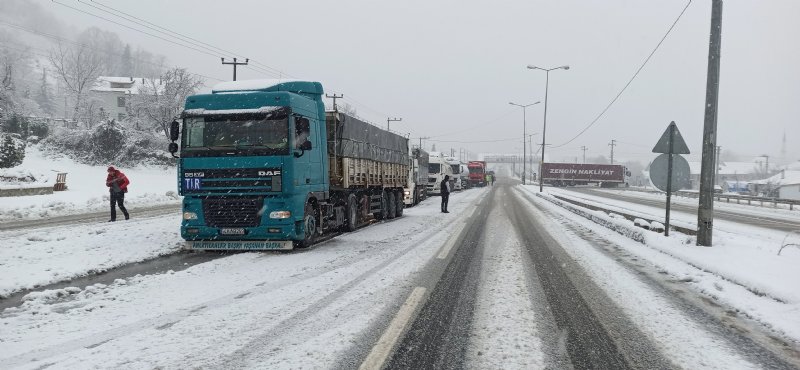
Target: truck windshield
[456,168]
[266,134]
[434,168]
[475,170]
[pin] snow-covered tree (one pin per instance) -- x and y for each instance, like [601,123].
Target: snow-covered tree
[12,150]
[77,67]
[43,95]
[159,101]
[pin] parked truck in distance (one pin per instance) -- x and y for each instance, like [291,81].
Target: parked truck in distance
[477,173]
[263,166]
[572,174]
[455,166]
[438,168]
[417,188]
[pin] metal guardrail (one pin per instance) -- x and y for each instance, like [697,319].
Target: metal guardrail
[630,217]
[739,198]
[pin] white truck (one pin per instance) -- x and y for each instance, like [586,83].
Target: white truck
[458,170]
[416,190]
[438,168]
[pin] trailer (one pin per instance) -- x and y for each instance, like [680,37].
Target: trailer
[416,190]
[263,166]
[572,174]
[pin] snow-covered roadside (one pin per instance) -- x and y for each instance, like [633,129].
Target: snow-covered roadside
[303,309]
[766,211]
[739,272]
[86,190]
[43,256]
[504,323]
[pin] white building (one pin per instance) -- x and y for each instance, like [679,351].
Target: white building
[784,185]
[113,92]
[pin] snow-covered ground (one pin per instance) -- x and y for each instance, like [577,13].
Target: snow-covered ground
[86,191]
[31,258]
[742,271]
[302,309]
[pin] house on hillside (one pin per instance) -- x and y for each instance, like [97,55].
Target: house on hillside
[114,92]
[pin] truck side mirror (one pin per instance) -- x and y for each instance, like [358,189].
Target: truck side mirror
[306,145]
[174,131]
[173,148]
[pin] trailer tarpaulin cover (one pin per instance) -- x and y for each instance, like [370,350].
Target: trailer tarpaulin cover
[353,138]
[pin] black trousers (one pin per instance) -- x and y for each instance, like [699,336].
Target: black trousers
[445,199]
[118,199]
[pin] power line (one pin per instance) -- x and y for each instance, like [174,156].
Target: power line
[631,79]
[65,40]
[473,142]
[177,35]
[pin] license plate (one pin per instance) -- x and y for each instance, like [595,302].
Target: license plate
[241,245]
[234,231]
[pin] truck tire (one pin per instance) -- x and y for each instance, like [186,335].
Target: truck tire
[309,226]
[400,205]
[352,213]
[383,213]
[391,201]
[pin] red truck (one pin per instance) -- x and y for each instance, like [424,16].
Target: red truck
[477,173]
[571,174]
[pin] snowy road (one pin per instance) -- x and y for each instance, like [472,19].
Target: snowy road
[506,280]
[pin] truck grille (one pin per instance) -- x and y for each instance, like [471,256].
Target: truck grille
[232,212]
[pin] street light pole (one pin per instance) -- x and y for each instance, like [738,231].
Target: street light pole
[524,134]
[544,128]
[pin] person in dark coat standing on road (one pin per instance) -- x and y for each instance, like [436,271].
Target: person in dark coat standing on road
[117,184]
[445,189]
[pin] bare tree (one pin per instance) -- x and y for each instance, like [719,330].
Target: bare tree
[159,101]
[78,68]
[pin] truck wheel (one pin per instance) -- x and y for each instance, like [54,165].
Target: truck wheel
[400,205]
[383,213]
[352,213]
[392,204]
[309,227]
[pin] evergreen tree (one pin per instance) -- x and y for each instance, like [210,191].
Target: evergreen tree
[126,64]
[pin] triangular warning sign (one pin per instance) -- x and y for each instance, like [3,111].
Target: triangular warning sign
[678,146]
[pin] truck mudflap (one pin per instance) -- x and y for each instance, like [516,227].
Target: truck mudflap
[242,245]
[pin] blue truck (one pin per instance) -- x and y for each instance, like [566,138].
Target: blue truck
[263,166]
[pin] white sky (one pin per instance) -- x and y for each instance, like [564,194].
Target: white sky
[450,66]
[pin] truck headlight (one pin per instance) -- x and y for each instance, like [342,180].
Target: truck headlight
[189,216]
[280,214]
[407,192]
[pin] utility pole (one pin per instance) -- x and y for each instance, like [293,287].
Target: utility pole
[766,169]
[613,144]
[390,120]
[234,64]
[584,153]
[334,97]
[705,211]
[716,165]
[420,141]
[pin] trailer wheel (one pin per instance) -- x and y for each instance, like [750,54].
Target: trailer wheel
[392,204]
[352,213]
[383,213]
[309,226]
[400,205]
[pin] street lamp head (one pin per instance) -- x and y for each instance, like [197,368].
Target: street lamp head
[531,66]
[564,67]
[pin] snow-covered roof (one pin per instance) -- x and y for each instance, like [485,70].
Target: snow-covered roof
[125,85]
[249,85]
[786,177]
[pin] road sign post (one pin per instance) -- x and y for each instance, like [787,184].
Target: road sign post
[671,143]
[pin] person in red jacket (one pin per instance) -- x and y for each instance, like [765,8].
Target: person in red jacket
[117,184]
